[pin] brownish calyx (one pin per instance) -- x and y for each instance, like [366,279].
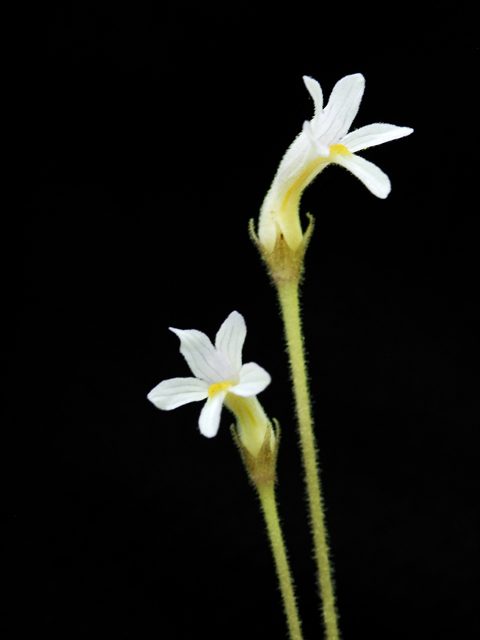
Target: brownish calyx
[284,264]
[260,468]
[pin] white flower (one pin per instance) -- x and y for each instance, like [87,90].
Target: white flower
[218,372]
[324,140]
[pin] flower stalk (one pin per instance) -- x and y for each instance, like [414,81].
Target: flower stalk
[288,293]
[266,493]
[285,267]
[260,466]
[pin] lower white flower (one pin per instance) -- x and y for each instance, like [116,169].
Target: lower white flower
[218,373]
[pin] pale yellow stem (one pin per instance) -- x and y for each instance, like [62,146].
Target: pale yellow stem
[266,492]
[289,300]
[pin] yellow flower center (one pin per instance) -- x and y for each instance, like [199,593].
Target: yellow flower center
[217,387]
[339,149]
[237,404]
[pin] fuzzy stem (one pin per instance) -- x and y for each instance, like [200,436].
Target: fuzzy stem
[288,292]
[266,493]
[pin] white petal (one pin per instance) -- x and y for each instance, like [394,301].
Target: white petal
[371,176]
[321,150]
[374,134]
[315,90]
[341,109]
[203,359]
[230,338]
[176,392]
[210,415]
[253,380]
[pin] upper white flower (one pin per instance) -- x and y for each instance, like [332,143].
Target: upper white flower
[324,140]
[218,371]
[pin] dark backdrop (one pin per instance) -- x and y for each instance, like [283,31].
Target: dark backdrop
[145,140]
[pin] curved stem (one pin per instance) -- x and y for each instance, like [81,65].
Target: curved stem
[288,292]
[266,493]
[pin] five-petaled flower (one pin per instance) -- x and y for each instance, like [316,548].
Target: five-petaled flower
[324,140]
[219,373]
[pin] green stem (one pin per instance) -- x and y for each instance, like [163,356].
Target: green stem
[266,492]
[288,292]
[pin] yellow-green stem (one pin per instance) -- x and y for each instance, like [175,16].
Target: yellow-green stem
[266,492]
[288,292]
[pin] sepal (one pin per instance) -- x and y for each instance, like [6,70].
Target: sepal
[283,263]
[261,468]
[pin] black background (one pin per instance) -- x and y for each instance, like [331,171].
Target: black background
[145,140]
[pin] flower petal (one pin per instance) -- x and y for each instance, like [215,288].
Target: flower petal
[321,150]
[371,176]
[230,338]
[209,420]
[253,380]
[203,359]
[315,90]
[341,109]
[374,134]
[176,392]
